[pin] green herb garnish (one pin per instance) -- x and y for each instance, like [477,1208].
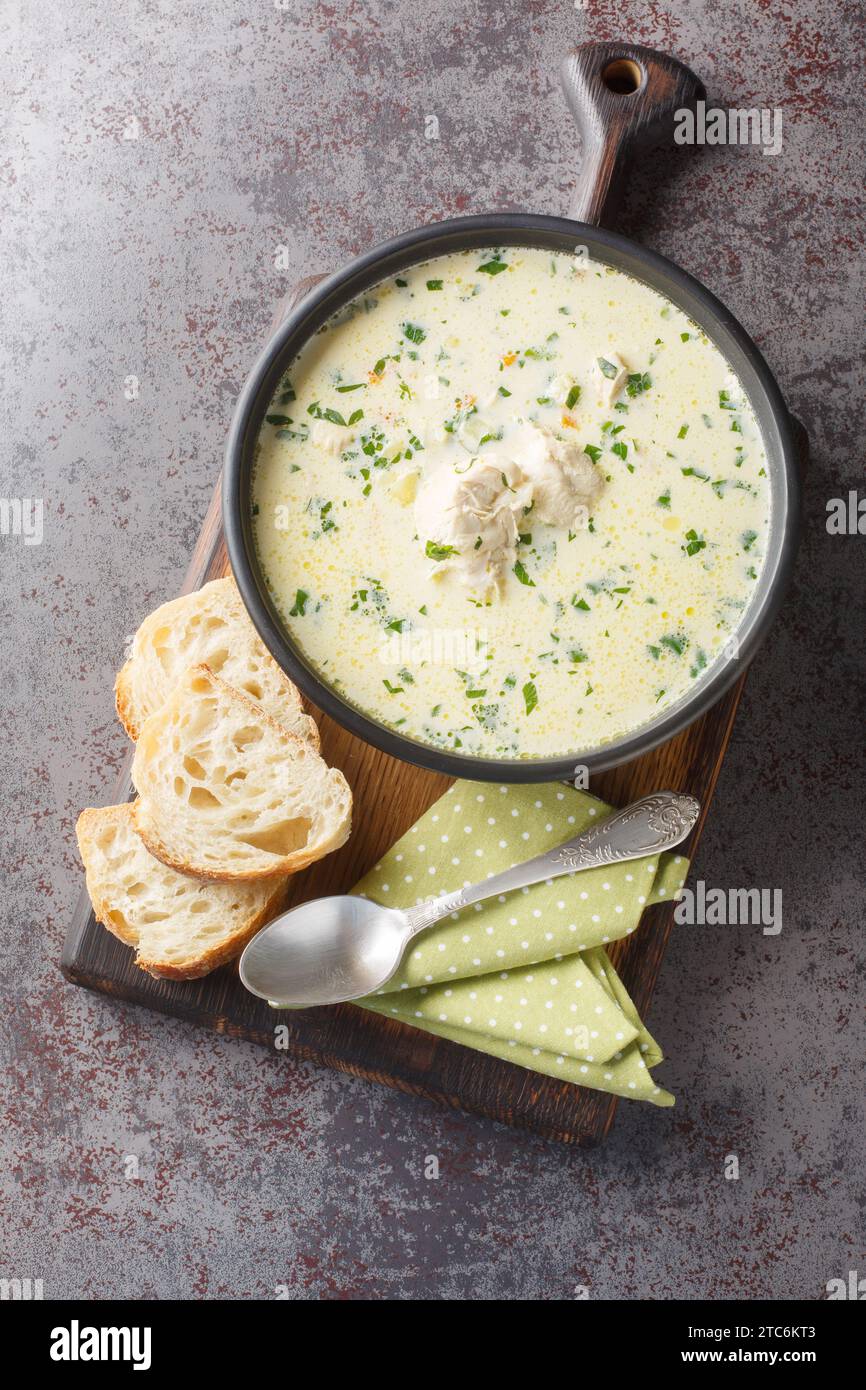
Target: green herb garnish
[637,383]
[494,267]
[439,552]
[694,543]
[520,571]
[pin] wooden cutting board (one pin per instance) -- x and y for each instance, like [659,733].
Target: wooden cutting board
[389,796]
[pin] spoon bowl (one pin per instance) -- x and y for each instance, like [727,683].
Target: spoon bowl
[325,952]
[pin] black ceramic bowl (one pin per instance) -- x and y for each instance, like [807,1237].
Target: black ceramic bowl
[622,96]
[555,234]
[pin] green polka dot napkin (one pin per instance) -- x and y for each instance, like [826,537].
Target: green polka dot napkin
[525,975]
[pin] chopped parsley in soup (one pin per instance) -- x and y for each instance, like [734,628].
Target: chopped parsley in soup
[511,503]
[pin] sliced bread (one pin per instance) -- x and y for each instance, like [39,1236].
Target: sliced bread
[226,793]
[210,626]
[181,927]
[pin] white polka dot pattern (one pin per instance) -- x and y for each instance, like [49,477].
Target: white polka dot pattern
[562,1010]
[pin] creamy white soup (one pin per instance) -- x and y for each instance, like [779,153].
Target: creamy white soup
[511,503]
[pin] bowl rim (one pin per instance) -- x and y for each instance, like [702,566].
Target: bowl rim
[442,238]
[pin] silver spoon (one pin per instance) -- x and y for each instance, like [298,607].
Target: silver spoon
[334,949]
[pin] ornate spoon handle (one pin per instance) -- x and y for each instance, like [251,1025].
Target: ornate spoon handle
[648,826]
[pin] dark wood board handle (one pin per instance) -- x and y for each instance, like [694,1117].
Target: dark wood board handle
[622,96]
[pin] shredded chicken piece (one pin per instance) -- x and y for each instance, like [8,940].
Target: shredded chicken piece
[466,515]
[565,482]
[468,508]
[609,386]
[331,437]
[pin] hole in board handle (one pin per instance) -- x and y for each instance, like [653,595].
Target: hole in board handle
[623,76]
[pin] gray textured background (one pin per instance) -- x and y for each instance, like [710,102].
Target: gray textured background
[304,126]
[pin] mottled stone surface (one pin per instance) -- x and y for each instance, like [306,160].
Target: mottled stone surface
[302,125]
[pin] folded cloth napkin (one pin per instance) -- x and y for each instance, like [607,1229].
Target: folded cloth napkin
[523,976]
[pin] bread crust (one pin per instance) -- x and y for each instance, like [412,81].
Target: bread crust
[128,706]
[196,967]
[162,921]
[198,963]
[123,701]
[144,822]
